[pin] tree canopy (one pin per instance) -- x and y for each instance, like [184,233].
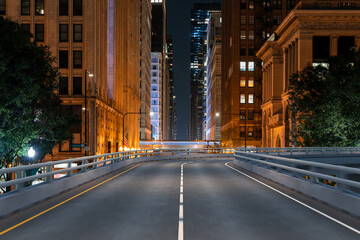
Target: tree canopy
[326,101]
[29,105]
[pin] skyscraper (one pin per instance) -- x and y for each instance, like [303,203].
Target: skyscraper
[247,24]
[172,97]
[158,45]
[199,20]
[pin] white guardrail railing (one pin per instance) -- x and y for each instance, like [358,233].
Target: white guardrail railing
[303,168]
[64,168]
[303,149]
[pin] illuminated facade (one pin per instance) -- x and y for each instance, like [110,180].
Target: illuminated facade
[172,97]
[94,54]
[213,78]
[156,96]
[198,46]
[246,26]
[145,66]
[310,34]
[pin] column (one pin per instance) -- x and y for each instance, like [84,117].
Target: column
[357,42]
[285,69]
[334,45]
[305,50]
[296,46]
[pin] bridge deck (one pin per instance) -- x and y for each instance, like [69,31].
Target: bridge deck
[143,203]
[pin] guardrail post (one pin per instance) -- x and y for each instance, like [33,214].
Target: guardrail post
[48,178]
[188,152]
[146,153]
[136,154]
[19,174]
[95,160]
[84,168]
[69,172]
[173,152]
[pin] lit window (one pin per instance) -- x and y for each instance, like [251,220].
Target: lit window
[251,98]
[242,115]
[25,7]
[251,20]
[242,83]
[251,66]
[242,66]
[251,83]
[243,20]
[243,35]
[250,131]
[242,98]
[242,131]
[251,35]
[251,4]
[39,7]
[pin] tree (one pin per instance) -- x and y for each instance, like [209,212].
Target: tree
[326,101]
[29,106]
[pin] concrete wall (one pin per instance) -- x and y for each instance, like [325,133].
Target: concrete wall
[27,197]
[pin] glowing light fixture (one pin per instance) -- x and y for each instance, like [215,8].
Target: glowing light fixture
[31,152]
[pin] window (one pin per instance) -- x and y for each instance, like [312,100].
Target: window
[242,51]
[64,7]
[243,4]
[77,59]
[77,85]
[39,7]
[250,131]
[77,32]
[251,83]
[77,7]
[251,4]
[276,4]
[251,35]
[321,47]
[25,27]
[25,7]
[242,83]
[242,115]
[63,86]
[39,32]
[266,3]
[251,114]
[2,7]
[63,32]
[243,35]
[251,52]
[242,131]
[251,98]
[242,66]
[63,59]
[291,4]
[276,20]
[251,66]
[251,20]
[243,20]
[242,98]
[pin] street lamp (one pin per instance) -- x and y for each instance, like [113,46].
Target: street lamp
[235,114]
[85,109]
[31,153]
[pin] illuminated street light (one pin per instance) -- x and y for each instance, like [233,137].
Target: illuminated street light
[217,114]
[31,152]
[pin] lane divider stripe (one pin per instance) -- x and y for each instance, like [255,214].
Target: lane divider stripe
[67,200]
[298,201]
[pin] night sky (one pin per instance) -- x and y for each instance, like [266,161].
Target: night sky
[178,24]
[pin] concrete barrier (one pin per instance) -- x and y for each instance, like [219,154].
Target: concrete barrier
[26,197]
[335,198]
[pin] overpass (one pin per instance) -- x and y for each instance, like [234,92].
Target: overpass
[187,194]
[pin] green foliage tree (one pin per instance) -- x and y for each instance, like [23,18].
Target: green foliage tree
[326,101]
[29,106]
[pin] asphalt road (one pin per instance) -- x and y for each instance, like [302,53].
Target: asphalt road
[144,203]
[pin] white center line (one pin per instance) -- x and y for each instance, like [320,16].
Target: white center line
[181,205]
[298,201]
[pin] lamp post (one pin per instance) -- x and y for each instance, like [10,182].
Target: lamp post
[85,109]
[235,114]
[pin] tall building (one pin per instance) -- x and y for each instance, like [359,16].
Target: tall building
[158,45]
[247,24]
[156,95]
[314,31]
[213,78]
[99,65]
[172,97]
[145,66]
[199,20]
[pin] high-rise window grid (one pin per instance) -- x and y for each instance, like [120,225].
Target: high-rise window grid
[63,59]
[243,35]
[243,20]
[251,19]
[77,7]
[77,32]
[63,86]
[63,7]
[77,59]
[77,85]
[251,98]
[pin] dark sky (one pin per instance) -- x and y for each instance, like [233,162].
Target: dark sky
[178,24]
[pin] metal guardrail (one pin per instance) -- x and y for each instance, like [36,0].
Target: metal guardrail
[269,161]
[84,164]
[292,150]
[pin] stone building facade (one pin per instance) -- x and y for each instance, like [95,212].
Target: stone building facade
[96,53]
[312,32]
